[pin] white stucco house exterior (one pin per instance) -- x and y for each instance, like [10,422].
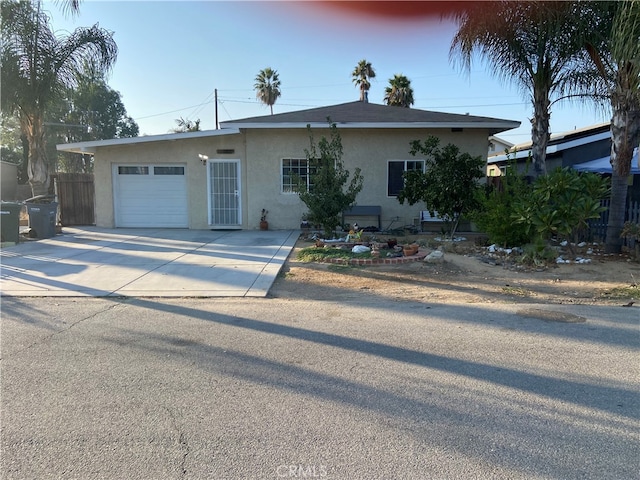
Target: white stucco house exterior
[222,179]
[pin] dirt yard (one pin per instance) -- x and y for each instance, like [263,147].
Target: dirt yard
[468,274]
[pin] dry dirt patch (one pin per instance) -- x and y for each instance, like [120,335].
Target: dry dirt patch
[464,276]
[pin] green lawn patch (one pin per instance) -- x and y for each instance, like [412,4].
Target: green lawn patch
[321,254]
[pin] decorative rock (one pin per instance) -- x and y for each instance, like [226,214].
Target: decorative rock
[437,256]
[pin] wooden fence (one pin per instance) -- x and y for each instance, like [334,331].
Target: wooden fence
[76,198]
[598,226]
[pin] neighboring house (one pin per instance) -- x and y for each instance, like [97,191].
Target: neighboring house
[9,178]
[498,145]
[584,149]
[564,150]
[222,179]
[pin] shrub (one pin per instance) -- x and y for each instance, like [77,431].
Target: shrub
[561,203]
[496,209]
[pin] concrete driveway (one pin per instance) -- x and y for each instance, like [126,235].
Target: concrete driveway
[96,262]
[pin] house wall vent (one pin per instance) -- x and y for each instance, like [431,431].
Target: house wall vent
[456,129]
[225,151]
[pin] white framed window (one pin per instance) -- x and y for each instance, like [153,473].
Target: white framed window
[395,171]
[292,171]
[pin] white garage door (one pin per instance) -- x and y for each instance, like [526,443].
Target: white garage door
[150,196]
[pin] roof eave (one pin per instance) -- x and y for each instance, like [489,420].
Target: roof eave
[92,146]
[491,126]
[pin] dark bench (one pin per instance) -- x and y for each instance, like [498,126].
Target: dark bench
[364,211]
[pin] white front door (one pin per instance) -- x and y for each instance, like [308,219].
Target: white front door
[224,193]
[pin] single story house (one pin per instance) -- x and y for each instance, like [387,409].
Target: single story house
[223,179]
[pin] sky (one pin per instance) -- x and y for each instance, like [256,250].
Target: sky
[173,55]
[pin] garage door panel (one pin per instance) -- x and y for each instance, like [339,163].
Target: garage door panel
[143,198]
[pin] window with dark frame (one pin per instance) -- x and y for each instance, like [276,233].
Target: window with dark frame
[293,171]
[168,170]
[395,172]
[131,170]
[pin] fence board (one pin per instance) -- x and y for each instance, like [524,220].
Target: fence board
[598,226]
[76,198]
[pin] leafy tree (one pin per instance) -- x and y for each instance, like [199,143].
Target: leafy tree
[15,148]
[449,183]
[326,196]
[186,125]
[399,92]
[532,43]
[361,76]
[37,68]
[267,87]
[90,111]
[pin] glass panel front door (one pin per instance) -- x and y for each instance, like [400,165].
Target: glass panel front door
[224,193]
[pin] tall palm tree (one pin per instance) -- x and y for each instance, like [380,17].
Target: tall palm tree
[399,92]
[267,87]
[614,57]
[361,75]
[37,68]
[526,43]
[185,125]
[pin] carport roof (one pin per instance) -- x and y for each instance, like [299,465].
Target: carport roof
[90,147]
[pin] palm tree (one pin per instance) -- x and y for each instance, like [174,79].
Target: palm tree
[37,69]
[361,75]
[185,125]
[267,87]
[527,43]
[399,92]
[614,57]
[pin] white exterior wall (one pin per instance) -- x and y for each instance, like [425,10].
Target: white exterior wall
[166,152]
[260,152]
[368,149]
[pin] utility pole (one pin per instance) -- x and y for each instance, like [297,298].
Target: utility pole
[215,91]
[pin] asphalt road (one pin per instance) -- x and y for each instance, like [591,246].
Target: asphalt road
[273,388]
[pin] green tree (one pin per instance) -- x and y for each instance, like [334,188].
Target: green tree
[533,44]
[399,92]
[267,87]
[91,111]
[37,68]
[613,73]
[361,76]
[449,184]
[330,191]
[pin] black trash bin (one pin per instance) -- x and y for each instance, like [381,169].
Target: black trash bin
[10,221]
[42,218]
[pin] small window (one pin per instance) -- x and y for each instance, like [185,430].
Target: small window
[168,170]
[395,172]
[133,170]
[293,171]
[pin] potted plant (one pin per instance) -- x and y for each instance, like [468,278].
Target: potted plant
[304,223]
[264,225]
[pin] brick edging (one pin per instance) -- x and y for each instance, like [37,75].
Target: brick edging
[379,261]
